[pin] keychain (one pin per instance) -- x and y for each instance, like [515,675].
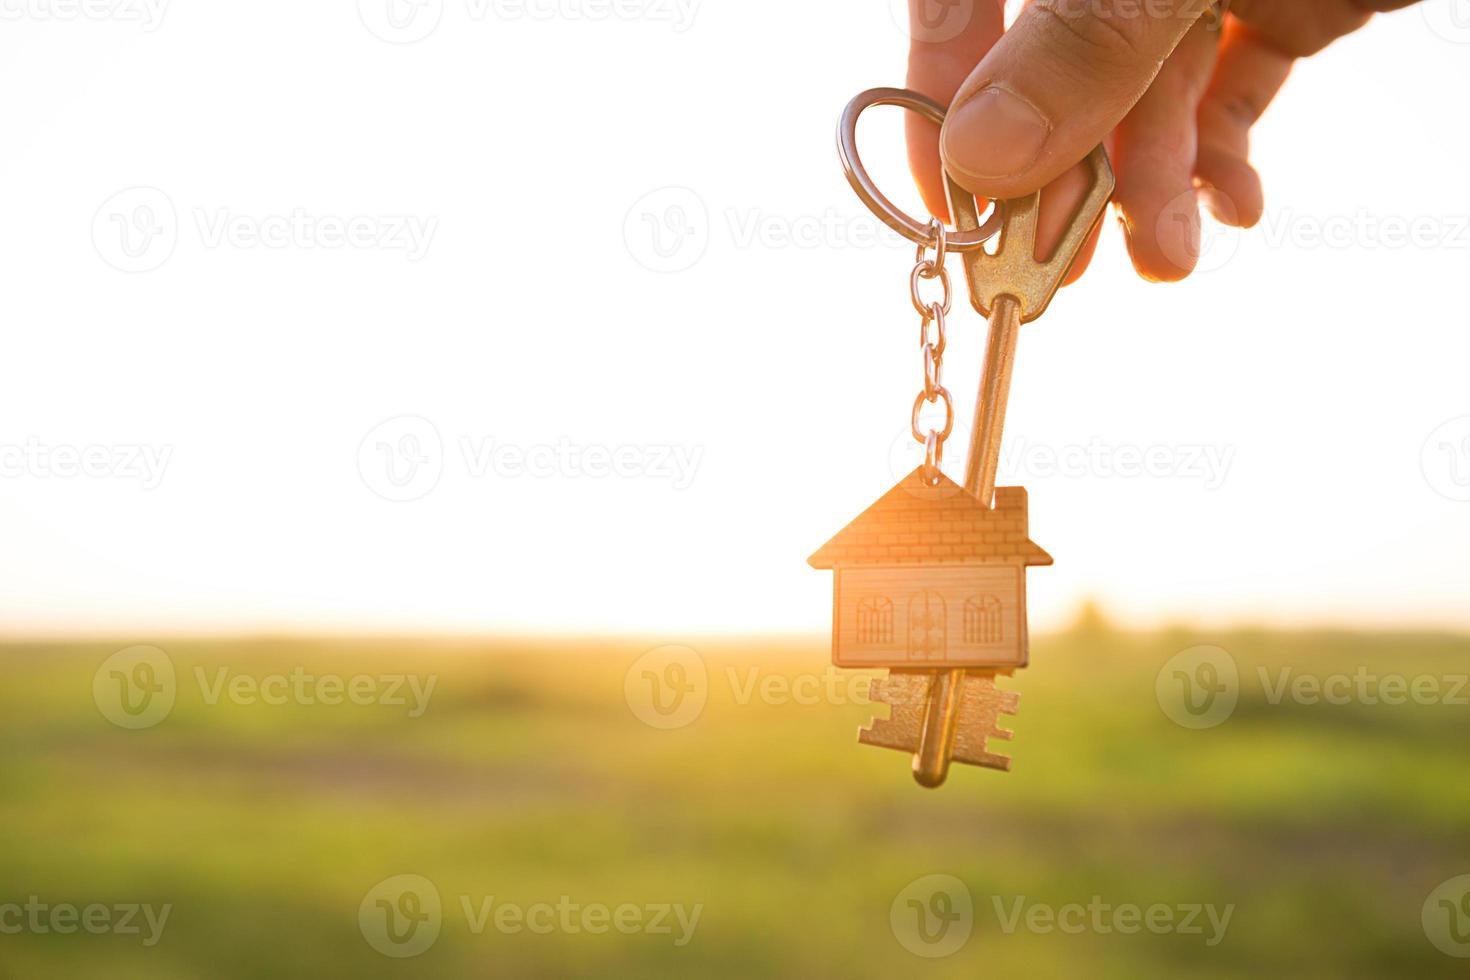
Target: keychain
[930,581]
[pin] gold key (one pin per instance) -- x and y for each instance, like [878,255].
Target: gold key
[930,580]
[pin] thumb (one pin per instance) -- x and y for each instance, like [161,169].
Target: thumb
[1060,79]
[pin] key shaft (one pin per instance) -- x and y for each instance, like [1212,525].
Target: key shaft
[941,712]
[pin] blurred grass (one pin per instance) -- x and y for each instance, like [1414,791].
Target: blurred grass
[528,778]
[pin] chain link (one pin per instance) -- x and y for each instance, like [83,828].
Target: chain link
[932,314]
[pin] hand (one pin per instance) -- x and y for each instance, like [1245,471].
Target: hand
[1174,86]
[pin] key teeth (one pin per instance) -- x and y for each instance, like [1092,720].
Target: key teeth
[904,694]
[981,704]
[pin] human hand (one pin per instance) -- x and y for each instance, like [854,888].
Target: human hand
[1173,86]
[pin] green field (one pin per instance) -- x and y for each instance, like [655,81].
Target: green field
[528,779]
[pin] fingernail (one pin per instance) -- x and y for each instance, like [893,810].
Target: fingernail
[994,134]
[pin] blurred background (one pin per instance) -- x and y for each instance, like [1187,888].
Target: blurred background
[418,418]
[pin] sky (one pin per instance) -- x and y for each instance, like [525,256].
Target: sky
[560,317]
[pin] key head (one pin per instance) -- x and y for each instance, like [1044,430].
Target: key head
[1013,270]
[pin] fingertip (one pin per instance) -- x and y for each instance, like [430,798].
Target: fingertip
[1233,192]
[1165,244]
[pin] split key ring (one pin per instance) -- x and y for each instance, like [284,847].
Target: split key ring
[918,232]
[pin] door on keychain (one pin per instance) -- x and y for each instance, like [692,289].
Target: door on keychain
[928,639]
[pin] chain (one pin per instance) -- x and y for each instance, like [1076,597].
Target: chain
[932,316]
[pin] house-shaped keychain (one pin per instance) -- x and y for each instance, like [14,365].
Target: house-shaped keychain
[929,577]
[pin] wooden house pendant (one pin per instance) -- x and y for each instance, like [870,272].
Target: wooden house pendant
[930,583]
[929,577]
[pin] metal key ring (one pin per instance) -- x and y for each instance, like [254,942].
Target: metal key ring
[910,228]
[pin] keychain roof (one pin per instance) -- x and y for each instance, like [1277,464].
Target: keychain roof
[919,523]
